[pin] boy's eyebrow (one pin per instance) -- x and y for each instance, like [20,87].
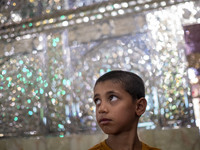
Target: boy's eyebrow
[96,95]
[107,93]
[110,92]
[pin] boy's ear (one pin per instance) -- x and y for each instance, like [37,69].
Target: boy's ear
[141,105]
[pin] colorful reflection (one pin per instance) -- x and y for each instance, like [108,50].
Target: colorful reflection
[46,78]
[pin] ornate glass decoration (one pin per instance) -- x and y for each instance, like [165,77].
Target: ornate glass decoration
[49,64]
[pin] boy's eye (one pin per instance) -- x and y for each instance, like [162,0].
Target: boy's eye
[97,101]
[113,98]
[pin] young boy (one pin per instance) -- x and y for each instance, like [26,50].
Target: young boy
[119,97]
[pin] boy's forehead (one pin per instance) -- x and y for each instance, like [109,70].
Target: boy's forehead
[110,83]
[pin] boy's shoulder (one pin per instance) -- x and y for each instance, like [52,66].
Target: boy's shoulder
[104,146]
[100,146]
[147,147]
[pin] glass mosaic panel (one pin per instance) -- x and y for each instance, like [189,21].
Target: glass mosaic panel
[167,32]
[50,77]
[14,24]
[17,10]
[22,95]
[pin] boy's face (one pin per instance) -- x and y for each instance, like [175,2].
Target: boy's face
[115,108]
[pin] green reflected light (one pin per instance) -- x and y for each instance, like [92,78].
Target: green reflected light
[56,76]
[25,69]
[1,77]
[41,81]
[63,92]
[21,62]
[29,74]
[57,39]
[101,71]
[41,91]
[58,93]
[38,79]
[29,101]
[62,17]
[46,84]
[68,82]
[53,100]
[16,118]
[64,82]
[19,75]
[3,72]
[22,90]
[8,78]
[9,84]
[30,24]
[54,44]
[23,79]
[30,113]
[108,70]
[60,126]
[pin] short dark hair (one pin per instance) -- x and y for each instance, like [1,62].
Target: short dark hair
[130,81]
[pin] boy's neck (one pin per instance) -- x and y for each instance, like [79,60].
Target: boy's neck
[124,141]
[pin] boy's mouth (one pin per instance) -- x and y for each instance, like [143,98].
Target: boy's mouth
[104,121]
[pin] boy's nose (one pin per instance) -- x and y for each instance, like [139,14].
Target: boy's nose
[103,108]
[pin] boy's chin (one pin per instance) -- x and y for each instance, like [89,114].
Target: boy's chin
[110,131]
